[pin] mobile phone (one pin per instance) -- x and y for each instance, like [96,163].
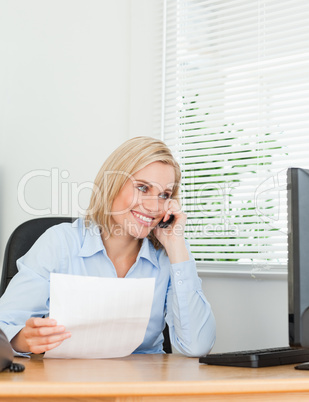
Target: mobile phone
[165,224]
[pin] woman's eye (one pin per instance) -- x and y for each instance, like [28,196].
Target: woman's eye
[142,188]
[165,196]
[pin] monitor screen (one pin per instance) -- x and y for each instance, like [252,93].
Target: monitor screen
[298,256]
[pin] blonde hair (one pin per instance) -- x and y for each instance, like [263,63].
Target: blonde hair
[130,157]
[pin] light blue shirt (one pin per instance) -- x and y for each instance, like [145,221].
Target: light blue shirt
[74,249]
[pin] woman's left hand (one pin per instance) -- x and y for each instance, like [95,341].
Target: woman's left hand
[172,237]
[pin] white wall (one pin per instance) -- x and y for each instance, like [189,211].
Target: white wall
[64,99]
[251,311]
[146,67]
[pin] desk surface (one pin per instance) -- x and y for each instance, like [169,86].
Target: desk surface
[149,378]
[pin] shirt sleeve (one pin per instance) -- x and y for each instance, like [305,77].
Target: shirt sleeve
[28,292]
[188,314]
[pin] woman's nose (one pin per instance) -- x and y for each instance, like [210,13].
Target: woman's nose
[150,203]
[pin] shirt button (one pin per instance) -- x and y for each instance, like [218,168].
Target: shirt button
[177,273]
[179,282]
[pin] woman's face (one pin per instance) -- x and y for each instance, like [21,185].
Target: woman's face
[143,201]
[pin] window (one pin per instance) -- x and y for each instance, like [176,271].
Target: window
[236,115]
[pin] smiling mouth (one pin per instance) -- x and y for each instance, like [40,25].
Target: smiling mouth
[145,219]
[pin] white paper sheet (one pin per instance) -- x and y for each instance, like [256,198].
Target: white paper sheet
[107,317]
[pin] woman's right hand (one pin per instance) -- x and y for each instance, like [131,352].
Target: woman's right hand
[39,335]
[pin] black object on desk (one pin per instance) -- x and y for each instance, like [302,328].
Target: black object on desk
[303,366]
[6,355]
[258,358]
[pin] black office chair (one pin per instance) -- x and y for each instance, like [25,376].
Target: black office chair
[22,239]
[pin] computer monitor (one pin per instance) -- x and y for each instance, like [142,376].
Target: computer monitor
[298,256]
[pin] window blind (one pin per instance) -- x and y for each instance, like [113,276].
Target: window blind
[236,115]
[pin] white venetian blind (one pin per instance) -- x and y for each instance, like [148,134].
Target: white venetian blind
[236,115]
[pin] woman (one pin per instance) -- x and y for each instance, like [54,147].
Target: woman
[134,228]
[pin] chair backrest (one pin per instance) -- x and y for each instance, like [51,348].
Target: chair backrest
[22,239]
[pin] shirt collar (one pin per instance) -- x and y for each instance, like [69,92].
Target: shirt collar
[148,252]
[93,244]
